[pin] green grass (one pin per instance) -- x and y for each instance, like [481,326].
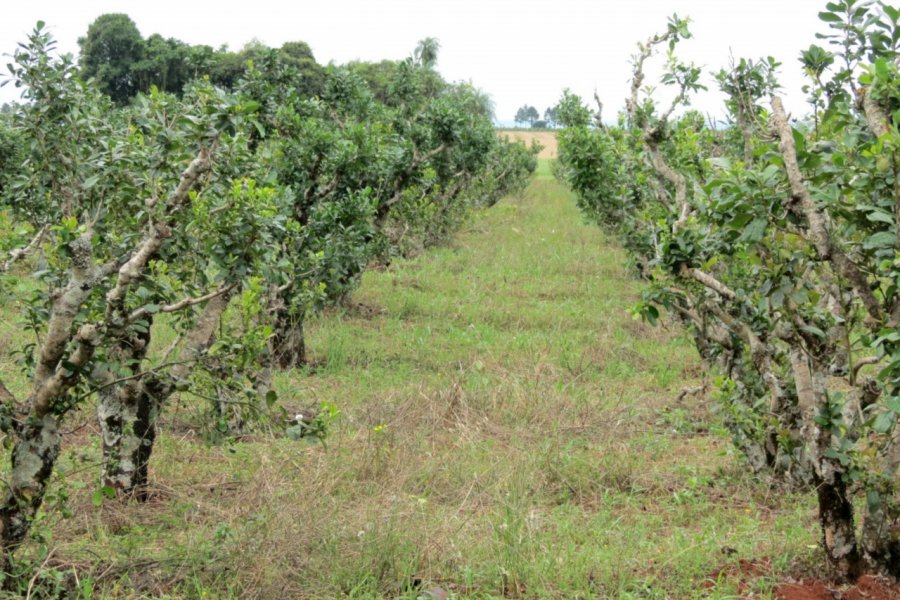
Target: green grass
[507,430]
[543,172]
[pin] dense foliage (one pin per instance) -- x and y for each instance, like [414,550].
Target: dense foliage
[225,216]
[776,245]
[123,63]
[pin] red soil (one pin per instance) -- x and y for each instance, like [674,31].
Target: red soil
[744,572]
[867,588]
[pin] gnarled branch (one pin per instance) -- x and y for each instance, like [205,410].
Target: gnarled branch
[180,305]
[818,222]
[20,253]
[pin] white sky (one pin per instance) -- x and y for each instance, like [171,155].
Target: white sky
[518,51]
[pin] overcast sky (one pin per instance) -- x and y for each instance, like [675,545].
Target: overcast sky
[519,51]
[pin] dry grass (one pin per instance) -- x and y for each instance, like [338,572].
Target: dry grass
[547,139]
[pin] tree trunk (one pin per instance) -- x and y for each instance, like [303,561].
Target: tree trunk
[33,457]
[880,538]
[128,425]
[128,412]
[125,421]
[835,505]
[36,426]
[288,341]
[838,533]
[880,545]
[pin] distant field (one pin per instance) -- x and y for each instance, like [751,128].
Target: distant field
[546,138]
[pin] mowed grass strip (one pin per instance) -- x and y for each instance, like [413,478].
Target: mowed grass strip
[506,430]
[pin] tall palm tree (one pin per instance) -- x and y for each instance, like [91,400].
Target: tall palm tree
[426,52]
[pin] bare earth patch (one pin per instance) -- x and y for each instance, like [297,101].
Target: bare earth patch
[873,588]
[547,139]
[744,574]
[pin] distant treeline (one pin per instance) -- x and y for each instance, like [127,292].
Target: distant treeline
[123,63]
[529,114]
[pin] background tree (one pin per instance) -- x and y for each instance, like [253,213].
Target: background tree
[527,114]
[124,64]
[426,52]
[164,63]
[550,116]
[109,52]
[300,56]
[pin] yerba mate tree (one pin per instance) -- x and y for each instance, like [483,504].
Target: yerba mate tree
[776,245]
[292,234]
[220,219]
[370,178]
[122,194]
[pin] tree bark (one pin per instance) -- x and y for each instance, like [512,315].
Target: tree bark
[678,181]
[835,506]
[128,412]
[838,533]
[818,223]
[881,550]
[34,455]
[288,341]
[125,426]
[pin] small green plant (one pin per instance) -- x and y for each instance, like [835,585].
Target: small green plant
[317,426]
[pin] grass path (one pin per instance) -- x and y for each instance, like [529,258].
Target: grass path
[507,430]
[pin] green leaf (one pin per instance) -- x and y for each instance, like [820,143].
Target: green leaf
[873,500]
[106,492]
[831,452]
[249,106]
[882,239]
[830,17]
[884,422]
[70,367]
[799,141]
[880,216]
[755,231]
[814,330]
[296,432]
[777,298]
